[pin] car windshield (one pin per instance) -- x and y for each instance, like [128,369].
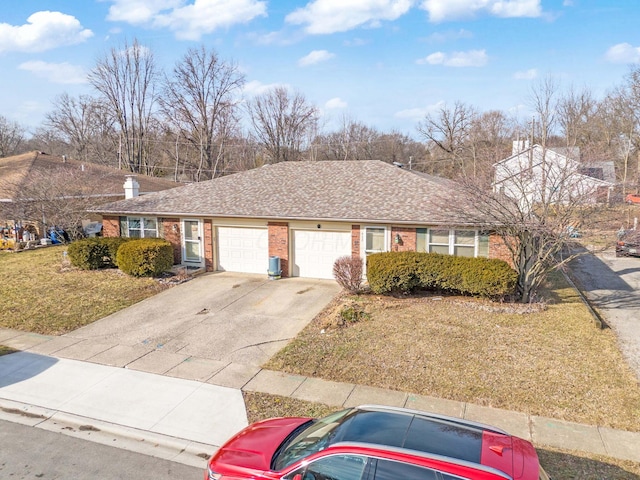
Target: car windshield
[310,440]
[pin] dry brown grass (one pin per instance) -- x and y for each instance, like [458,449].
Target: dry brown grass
[553,363]
[566,465]
[605,222]
[261,406]
[42,293]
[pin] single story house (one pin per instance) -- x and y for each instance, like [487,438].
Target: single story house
[34,182]
[306,213]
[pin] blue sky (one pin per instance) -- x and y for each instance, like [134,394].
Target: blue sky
[385,63]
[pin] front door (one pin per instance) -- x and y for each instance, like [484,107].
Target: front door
[192,242]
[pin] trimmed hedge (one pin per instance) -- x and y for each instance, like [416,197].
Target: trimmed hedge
[410,271]
[94,253]
[145,257]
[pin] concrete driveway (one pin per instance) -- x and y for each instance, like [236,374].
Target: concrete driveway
[228,317]
[613,286]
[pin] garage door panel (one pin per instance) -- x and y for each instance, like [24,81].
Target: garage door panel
[315,252]
[242,249]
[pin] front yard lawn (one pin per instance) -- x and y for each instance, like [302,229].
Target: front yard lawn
[42,293]
[554,363]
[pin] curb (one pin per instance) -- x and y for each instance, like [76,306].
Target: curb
[174,449]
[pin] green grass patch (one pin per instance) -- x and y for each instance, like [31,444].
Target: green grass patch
[42,293]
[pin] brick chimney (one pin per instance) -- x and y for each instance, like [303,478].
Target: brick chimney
[131,187]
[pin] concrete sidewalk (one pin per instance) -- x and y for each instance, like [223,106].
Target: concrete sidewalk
[184,411]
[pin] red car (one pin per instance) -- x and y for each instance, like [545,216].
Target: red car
[374,443]
[632,198]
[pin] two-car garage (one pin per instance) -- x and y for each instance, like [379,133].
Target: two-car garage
[313,251]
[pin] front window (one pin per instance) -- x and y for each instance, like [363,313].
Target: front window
[439,241]
[463,243]
[375,240]
[142,227]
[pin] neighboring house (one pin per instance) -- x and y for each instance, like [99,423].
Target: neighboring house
[306,213]
[31,180]
[532,171]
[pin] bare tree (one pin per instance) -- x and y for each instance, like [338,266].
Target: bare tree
[575,112]
[12,136]
[353,141]
[125,77]
[45,139]
[543,100]
[57,197]
[489,141]
[82,124]
[537,235]
[448,131]
[628,107]
[282,121]
[200,101]
[615,128]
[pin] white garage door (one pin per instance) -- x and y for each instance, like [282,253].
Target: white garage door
[243,249]
[314,252]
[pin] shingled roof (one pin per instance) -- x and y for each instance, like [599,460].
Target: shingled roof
[355,191]
[15,171]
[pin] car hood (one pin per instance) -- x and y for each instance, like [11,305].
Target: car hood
[253,447]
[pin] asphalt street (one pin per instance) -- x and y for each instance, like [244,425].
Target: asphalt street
[612,285]
[29,453]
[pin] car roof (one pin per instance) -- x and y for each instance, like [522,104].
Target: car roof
[434,416]
[414,430]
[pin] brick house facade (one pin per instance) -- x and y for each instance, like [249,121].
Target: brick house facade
[306,213]
[279,239]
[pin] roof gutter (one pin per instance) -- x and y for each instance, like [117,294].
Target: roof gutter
[279,219]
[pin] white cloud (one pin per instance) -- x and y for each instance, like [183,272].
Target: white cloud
[420,112]
[255,87]
[314,57]
[356,42]
[335,104]
[526,74]
[623,53]
[189,22]
[446,10]
[139,12]
[330,16]
[472,58]
[43,31]
[64,73]
[441,37]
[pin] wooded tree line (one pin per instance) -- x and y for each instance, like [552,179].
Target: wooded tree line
[192,123]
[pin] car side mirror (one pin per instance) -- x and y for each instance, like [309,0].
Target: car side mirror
[297,476]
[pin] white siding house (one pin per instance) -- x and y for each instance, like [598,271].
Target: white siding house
[534,174]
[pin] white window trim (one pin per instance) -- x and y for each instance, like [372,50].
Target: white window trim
[142,227]
[452,238]
[387,239]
